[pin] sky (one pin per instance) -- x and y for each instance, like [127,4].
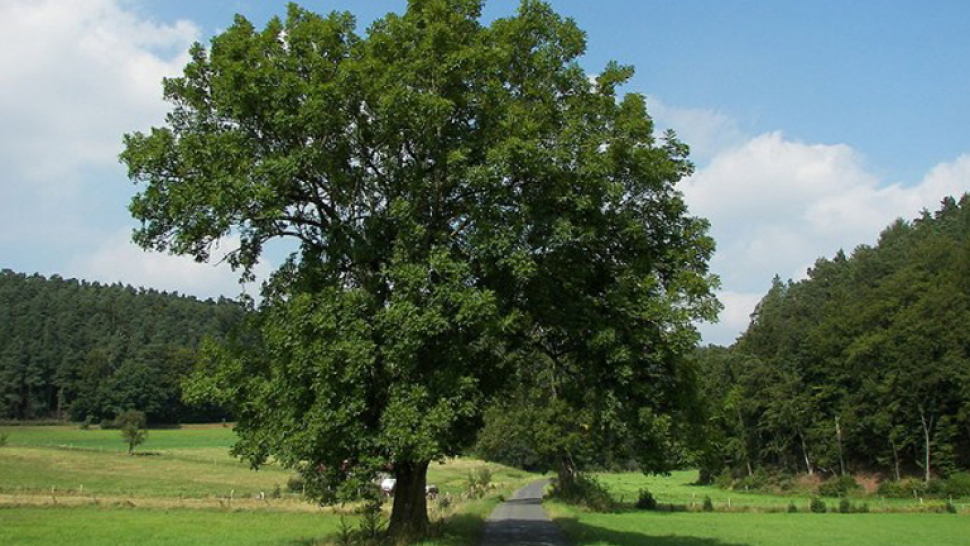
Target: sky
[812,124]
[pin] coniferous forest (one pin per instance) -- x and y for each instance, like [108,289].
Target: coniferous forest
[76,349]
[864,366]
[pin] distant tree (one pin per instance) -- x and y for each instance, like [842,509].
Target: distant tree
[132,424]
[461,194]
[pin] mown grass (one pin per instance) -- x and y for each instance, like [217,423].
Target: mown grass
[90,526]
[759,529]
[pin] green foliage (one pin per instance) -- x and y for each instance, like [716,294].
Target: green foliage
[858,366]
[839,486]
[132,425]
[708,505]
[4,438]
[817,506]
[78,349]
[583,490]
[645,500]
[479,481]
[957,485]
[372,524]
[296,483]
[901,489]
[792,509]
[845,506]
[950,507]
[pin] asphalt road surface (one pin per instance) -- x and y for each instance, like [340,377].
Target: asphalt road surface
[521,521]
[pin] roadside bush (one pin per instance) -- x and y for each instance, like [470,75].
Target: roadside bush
[583,490]
[645,500]
[817,506]
[708,504]
[839,487]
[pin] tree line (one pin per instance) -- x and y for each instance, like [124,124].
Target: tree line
[862,366]
[82,350]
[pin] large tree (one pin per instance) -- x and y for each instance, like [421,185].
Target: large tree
[461,196]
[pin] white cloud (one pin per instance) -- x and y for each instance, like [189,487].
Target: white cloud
[117,259]
[707,131]
[74,77]
[776,205]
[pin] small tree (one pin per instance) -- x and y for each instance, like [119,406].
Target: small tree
[132,425]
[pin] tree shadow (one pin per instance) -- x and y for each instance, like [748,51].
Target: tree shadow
[582,534]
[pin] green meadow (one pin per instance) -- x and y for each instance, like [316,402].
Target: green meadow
[637,528]
[752,519]
[680,489]
[64,485]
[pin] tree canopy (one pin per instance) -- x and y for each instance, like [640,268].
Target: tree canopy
[463,198]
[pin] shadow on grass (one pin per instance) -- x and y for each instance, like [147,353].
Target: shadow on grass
[581,534]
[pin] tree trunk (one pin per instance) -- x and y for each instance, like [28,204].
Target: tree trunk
[895,459]
[409,516]
[927,426]
[838,438]
[808,462]
[744,443]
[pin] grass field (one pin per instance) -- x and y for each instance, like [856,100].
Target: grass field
[89,526]
[64,485]
[679,489]
[752,519]
[760,529]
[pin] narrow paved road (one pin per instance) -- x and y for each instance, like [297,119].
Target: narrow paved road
[521,521]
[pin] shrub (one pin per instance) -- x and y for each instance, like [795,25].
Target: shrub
[845,507]
[296,483]
[372,523]
[708,505]
[958,485]
[724,480]
[950,507]
[892,489]
[839,487]
[4,438]
[583,490]
[817,506]
[757,481]
[645,500]
[277,492]
[479,481]
[792,508]
[862,508]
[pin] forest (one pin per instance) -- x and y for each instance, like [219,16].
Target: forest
[87,351]
[863,366]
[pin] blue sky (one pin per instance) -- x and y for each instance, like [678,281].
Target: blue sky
[813,124]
